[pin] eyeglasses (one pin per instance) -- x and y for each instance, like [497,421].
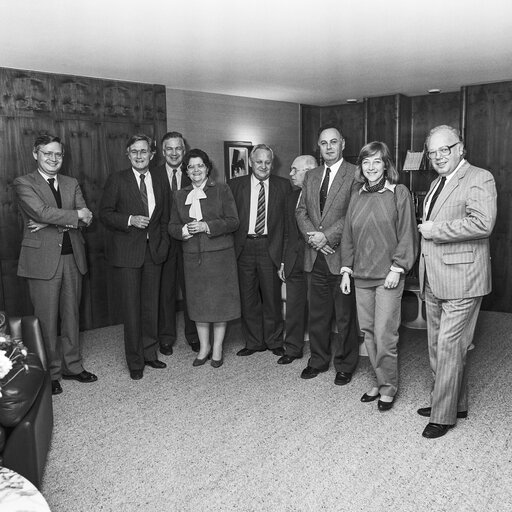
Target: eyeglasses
[142,152]
[443,151]
[51,154]
[201,167]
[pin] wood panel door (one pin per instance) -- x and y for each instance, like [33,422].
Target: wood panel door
[488,136]
[94,118]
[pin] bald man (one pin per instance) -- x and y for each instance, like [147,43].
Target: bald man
[291,270]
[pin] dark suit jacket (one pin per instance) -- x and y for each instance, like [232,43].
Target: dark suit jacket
[294,244]
[277,192]
[219,212]
[126,245]
[332,220]
[161,171]
[40,251]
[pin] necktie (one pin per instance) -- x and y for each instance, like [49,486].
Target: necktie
[144,194]
[260,212]
[67,248]
[174,181]
[324,189]
[435,196]
[55,192]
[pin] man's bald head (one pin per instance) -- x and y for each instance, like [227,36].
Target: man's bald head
[300,166]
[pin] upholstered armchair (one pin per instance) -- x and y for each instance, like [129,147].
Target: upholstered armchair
[26,444]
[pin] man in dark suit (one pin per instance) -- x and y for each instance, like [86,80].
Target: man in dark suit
[321,216]
[291,271]
[135,210]
[52,256]
[260,200]
[455,270]
[173,276]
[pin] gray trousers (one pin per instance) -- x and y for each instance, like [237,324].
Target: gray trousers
[60,294]
[378,311]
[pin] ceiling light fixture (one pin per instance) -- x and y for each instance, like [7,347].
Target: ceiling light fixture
[352,100]
[434,91]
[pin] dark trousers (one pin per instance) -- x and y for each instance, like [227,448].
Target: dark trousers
[139,289]
[327,302]
[173,278]
[296,311]
[260,296]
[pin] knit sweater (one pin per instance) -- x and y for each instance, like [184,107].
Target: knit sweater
[380,231]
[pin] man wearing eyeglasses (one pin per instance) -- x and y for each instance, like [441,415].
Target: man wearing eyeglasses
[135,210]
[455,270]
[52,256]
[291,270]
[173,275]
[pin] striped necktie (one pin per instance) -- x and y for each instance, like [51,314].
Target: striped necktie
[144,194]
[435,196]
[260,212]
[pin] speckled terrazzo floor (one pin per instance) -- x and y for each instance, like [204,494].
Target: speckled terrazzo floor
[253,436]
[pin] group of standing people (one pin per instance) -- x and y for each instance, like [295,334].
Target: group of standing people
[342,239]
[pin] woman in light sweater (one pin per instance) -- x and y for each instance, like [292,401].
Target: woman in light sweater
[379,246]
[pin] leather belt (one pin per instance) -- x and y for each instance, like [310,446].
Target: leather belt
[255,237]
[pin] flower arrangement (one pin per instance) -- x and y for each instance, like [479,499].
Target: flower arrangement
[12,355]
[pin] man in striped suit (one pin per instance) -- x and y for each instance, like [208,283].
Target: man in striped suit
[455,270]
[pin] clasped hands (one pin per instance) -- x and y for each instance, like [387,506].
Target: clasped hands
[139,221]
[192,228]
[318,241]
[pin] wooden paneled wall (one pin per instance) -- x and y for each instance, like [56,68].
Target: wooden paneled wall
[482,112]
[94,118]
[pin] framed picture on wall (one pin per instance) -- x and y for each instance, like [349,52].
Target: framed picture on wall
[236,158]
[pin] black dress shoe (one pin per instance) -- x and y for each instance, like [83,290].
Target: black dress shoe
[342,378]
[136,374]
[200,362]
[385,406]
[369,398]
[155,364]
[425,411]
[217,364]
[279,351]
[166,350]
[195,346]
[83,376]
[286,359]
[249,351]
[56,387]
[433,430]
[310,373]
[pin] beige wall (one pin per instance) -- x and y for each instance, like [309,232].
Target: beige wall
[207,120]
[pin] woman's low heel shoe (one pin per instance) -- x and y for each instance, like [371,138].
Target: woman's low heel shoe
[217,364]
[369,398]
[384,406]
[200,362]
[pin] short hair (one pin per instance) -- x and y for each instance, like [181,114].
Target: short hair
[44,140]
[264,147]
[309,159]
[197,153]
[450,129]
[173,135]
[442,127]
[327,126]
[372,148]
[138,137]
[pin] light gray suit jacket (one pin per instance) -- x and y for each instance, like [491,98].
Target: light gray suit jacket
[457,258]
[40,251]
[332,220]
